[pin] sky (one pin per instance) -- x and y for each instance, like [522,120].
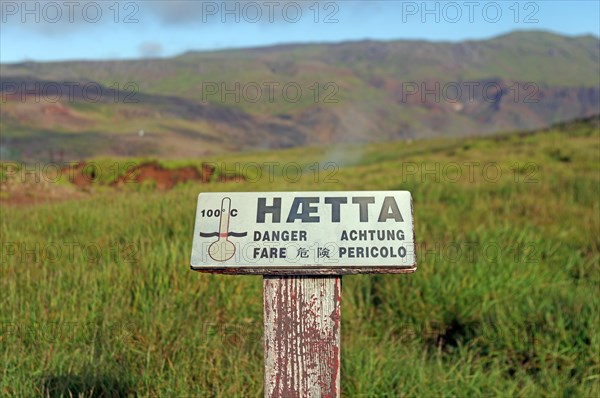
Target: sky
[131,29]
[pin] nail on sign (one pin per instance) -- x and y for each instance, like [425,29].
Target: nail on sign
[365,231]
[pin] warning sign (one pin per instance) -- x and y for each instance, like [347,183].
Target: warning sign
[304,230]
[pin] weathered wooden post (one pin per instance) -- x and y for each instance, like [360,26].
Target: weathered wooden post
[302,242]
[302,336]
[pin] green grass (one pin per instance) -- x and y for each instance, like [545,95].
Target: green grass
[504,302]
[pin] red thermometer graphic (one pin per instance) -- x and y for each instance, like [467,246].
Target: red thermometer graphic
[222,249]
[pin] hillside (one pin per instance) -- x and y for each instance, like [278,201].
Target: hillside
[365,92]
[504,301]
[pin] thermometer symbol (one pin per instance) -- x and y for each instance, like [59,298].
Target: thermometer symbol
[223,249]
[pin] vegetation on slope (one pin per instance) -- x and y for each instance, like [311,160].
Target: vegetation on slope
[504,302]
[203,103]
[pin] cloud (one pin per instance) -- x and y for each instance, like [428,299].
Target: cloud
[237,11]
[65,17]
[177,12]
[150,49]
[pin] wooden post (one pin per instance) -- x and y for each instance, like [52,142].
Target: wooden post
[302,336]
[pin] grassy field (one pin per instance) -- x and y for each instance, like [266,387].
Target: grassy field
[97,298]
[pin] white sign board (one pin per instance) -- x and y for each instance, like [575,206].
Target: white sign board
[368,230]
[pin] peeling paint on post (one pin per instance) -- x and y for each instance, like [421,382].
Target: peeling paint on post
[302,336]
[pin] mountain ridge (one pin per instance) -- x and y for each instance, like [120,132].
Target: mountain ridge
[354,92]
